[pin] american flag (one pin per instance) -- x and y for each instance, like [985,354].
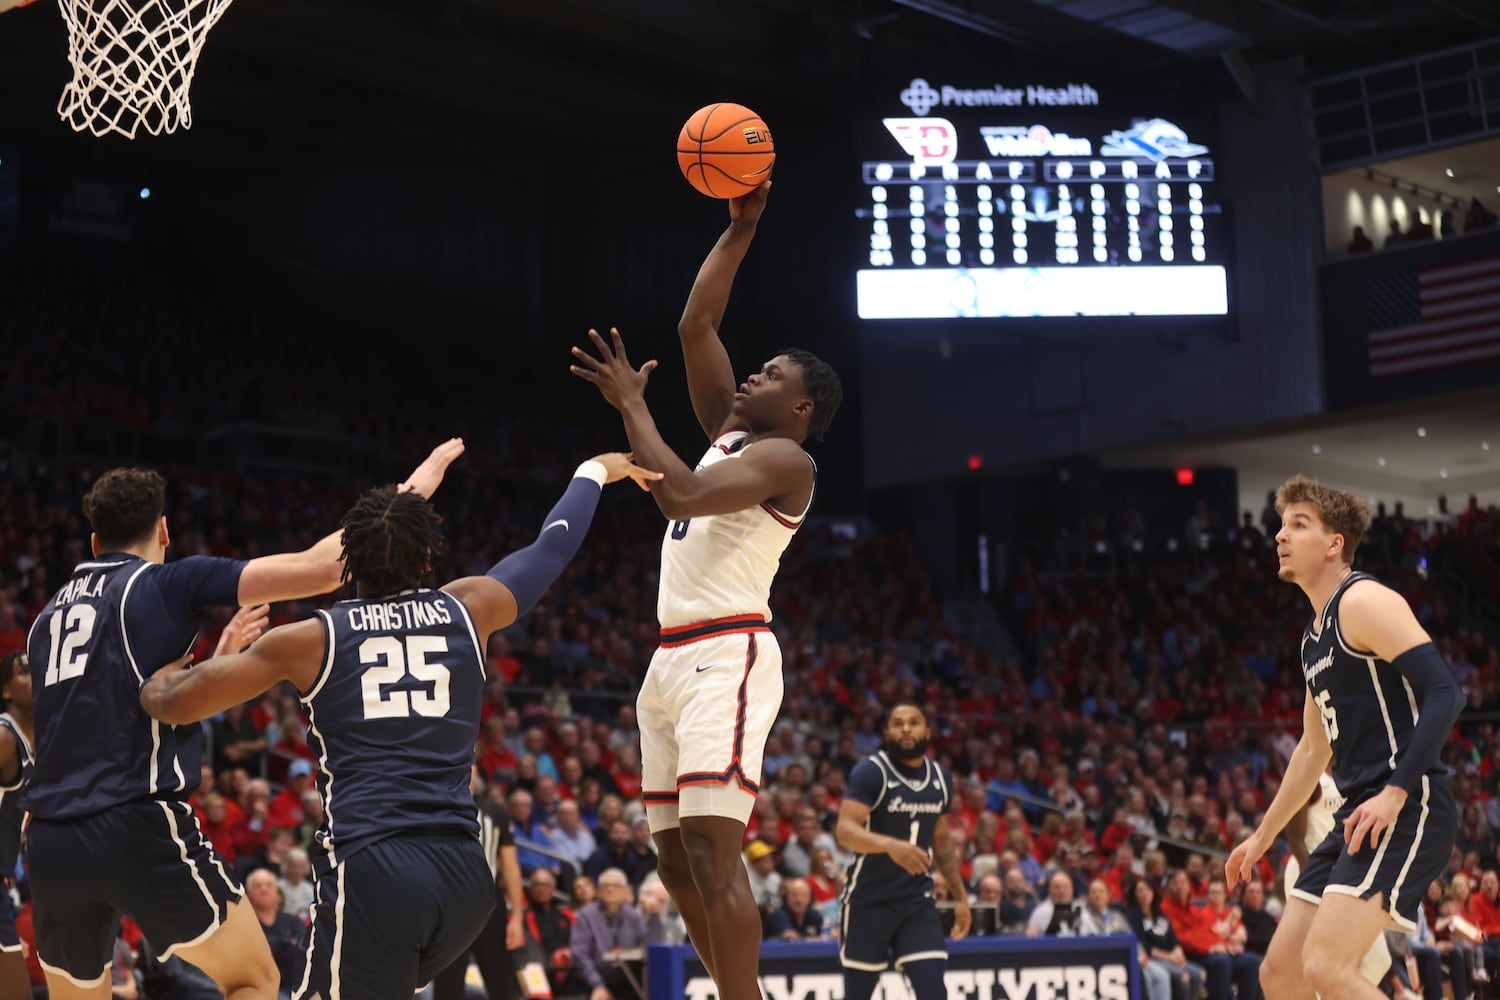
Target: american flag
[1439,317]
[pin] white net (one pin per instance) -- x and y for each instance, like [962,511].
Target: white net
[133,63]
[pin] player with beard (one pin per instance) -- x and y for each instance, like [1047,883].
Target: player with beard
[895,818]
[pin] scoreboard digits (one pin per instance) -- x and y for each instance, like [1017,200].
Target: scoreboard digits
[1045,225]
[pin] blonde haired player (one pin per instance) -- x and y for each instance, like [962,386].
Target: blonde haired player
[1380,704]
[714,687]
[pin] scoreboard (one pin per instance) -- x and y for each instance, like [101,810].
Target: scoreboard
[1036,201]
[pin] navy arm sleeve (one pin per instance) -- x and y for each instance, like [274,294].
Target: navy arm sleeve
[1439,700]
[530,571]
[866,783]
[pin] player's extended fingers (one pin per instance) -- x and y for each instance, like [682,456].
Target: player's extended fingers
[588,359]
[584,374]
[644,477]
[255,620]
[648,368]
[614,336]
[604,351]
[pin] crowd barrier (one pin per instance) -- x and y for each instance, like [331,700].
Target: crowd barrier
[986,968]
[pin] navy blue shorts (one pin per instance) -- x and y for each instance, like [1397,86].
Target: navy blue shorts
[9,939]
[876,936]
[147,860]
[1414,850]
[391,917]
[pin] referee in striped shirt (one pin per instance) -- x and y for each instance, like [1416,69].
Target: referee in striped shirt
[504,933]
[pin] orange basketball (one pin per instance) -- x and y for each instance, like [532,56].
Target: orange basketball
[725,150]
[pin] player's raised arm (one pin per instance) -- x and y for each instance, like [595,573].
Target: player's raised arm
[319,568]
[776,467]
[516,583]
[710,374]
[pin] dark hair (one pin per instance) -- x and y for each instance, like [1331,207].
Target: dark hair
[124,505]
[822,384]
[8,666]
[1132,883]
[390,539]
[900,705]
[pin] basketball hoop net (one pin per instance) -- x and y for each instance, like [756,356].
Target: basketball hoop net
[133,63]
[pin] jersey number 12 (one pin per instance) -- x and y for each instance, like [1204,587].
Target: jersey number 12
[65,659]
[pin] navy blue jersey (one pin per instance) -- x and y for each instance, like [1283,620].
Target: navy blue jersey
[905,804]
[394,718]
[11,810]
[111,626]
[1369,709]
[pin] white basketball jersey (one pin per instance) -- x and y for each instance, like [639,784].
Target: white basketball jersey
[1320,812]
[722,565]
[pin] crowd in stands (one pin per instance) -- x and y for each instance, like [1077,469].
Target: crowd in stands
[1420,228]
[1104,765]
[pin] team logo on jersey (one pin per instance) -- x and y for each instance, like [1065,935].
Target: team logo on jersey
[930,142]
[1156,139]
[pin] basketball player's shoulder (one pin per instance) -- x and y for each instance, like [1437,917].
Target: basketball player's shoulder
[1366,595]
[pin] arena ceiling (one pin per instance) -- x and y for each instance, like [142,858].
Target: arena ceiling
[1414,453]
[455,78]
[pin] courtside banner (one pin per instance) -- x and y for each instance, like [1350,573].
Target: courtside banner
[988,968]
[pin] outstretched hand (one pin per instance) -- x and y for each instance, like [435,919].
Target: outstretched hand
[243,629]
[619,383]
[427,477]
[619,465]
[748,207]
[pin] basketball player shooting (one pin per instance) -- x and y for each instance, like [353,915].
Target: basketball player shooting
[714,686]
[1380,703]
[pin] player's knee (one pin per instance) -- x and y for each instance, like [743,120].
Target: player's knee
[1323,974]
[1276,975]
[675,872]
[712,869]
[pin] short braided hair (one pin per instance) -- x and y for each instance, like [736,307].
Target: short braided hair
[391,537]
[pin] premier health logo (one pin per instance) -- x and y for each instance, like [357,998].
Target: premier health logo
[920,97]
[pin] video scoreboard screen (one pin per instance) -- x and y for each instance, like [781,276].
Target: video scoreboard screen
[1036,201]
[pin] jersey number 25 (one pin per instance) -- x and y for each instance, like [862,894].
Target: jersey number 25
[388,660]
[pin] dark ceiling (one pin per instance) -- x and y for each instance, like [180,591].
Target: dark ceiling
[455,79]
